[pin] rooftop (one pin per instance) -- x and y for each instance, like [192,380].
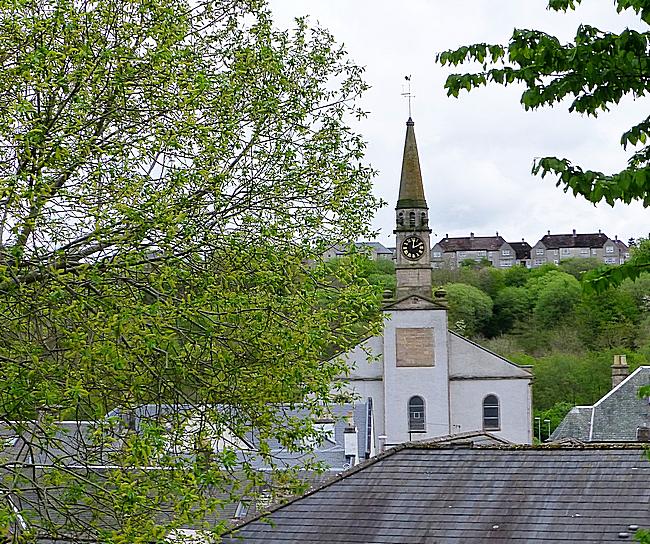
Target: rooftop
[431,492]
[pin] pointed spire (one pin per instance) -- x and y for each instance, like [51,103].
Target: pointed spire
[411,190]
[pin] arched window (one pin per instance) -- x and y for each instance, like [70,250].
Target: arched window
[417,423]
[423,219]
[400,219]
[412,219]
[491,413]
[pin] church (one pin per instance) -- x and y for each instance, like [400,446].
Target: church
[419,380]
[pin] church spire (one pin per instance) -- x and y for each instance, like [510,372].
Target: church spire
[411,190]
[413,235]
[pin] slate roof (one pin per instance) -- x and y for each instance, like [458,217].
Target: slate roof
[428,493]
[621,245]
[614,418]
[522,249]
[472,243]
[411,190]
[377,247]
[556,241]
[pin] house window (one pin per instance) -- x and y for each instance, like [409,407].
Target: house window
[610,260]
[539,251]
[417,421]
[584,251]
[506,263]
[609,249]
[566,251]
[437,254]
[505,252]
[491,413]
[540,261]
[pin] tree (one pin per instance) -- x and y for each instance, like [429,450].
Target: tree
[512,305]
[469,308]
[595,71]
[168,169]
[556,301]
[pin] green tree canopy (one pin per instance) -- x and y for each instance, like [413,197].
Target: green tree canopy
[167,170]
[469,308]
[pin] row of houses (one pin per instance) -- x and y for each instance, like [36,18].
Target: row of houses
[452,252]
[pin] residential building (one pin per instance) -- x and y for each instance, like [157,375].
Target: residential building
[375,250]
[475,491]
[522,252]
[620,416]
[451,252]
[424,380]
[553,248]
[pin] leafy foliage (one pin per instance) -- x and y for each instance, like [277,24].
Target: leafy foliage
[469,308]
[168,169]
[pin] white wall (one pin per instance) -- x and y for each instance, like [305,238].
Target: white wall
[514,407]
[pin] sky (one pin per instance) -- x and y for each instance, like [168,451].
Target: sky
[476,152]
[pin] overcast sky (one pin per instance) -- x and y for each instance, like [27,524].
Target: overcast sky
[476,152]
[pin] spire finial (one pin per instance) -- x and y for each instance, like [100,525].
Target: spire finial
[408,94]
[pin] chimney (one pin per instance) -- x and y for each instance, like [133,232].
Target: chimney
[620,370]
[471,235]
[523,240]
[497,233]
[382,443]
[446,235]
[616,237]
[548,232]
[574,233]
[599,231]
[643,434]
[350,441]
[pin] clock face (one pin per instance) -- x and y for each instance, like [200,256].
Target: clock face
[413,248]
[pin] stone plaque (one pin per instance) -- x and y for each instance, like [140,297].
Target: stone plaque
[415,347]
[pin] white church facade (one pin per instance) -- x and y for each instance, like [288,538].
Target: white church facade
[422,380]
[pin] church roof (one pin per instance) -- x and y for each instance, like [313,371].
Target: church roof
[427,492]
[411,190]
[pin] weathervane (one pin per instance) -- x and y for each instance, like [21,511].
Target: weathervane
[408,94]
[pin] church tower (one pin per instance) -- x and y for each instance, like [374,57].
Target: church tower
[413,235]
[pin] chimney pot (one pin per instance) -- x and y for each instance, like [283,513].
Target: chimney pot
[548,232]
[471,235]
[574,233]
[497,233]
